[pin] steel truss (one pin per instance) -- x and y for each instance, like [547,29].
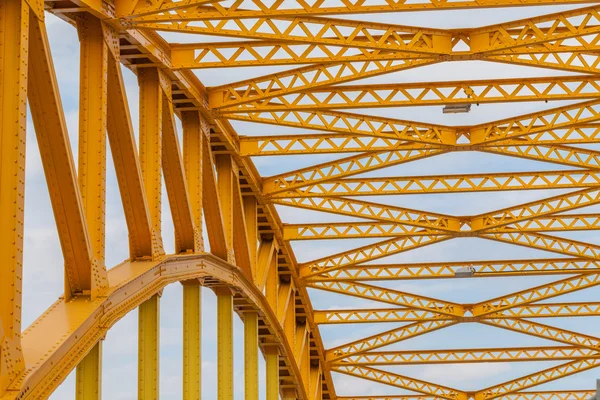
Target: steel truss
[210,179]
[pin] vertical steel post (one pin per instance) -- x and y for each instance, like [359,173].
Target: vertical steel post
[251,355]
[224,343]
[211,204]
[148,339]
[14,41]
[151,146]
[272,284]
[93,99]
[193,138]
[316,381]
[224,164]
[272,360]
[251,218]
[89,375]
[174,177]
[192,336]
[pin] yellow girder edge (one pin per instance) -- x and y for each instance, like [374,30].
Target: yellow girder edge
[337,32]
[389,128]
[277,52]
[539,208]
[131,283]
[287,184]
[550,243]
[528,395]
[537,378]
[365,345]
[133,8]
[399,314]
[569,179]
[353,143]
[390,296]
[345,167]
[348,230]
[377,211]
[555,118]
[327,74]
[431,93]
[544,331]
[260,8]
[388,37]
[401,381]
[490,307]
[444,270]
[14,23]
[508,354]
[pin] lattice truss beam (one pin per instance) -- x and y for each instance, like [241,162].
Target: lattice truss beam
[330,47]
[329,52]
[252,275]
[407,229]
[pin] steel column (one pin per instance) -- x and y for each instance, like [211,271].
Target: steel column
[151,145]
[251,355]
[148,339]
[224,343]
[14,36]
[194,133]
[272,359]
[174,177]
[89,375]
[316,382]
[211,203]
[93,99]
[192,337]
[251,218]
[225,172]
[272,284]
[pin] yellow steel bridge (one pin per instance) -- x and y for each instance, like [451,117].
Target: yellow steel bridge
[322,53]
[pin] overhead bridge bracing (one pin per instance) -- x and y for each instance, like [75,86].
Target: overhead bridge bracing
[245,256]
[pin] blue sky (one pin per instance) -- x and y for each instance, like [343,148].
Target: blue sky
[43,264]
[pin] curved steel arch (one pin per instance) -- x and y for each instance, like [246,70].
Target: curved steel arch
[132,283]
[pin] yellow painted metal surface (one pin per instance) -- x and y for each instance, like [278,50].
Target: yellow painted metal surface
[194,136]
[272,362]
[151,143]
[224,343]
[210,179]
[192,340]
[262,8]
[251,379]
[186,237]
[89,375]
[92,128]
[14,23]
[148,343]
